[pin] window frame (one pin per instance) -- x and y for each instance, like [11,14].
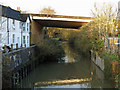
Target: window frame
[24,40]
[13,38]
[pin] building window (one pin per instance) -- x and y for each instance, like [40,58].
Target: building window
[0,37]
[23,26]
[20,25]
[27,26]
[23,39]
[0,22]
[13,38]
[18,39]
[27,39]
[13,22]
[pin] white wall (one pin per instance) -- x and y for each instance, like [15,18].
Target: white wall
[13,29]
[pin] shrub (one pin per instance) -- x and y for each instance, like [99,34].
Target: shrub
[49,50]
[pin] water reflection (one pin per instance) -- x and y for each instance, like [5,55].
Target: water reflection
[69,74]
[69,58]
[85,85]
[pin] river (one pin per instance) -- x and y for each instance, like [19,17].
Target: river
[75,71]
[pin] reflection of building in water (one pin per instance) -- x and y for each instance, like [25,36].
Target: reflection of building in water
[63,82]
[69,58]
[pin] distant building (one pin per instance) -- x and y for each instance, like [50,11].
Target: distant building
[14,28]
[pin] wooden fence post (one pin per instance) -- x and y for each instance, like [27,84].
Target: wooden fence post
[11,46]
[21,46]
[16,46]
[25,45]
[5,47]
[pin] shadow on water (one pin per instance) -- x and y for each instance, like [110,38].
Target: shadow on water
[73,71]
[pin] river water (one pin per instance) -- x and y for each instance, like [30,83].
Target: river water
[75,71]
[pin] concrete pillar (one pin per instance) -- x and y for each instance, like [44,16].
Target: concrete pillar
[36,33]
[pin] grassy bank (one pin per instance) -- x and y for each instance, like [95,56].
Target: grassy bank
[112,70]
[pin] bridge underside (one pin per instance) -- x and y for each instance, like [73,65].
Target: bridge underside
[39,21]
[60,23]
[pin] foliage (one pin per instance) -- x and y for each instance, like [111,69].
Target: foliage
[94,35]
[105,18]
[49,50]
[111,56]
[86,39]
[48,11]
[62,33]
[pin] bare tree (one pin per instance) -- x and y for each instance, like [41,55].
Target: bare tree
[105,21]
[48,11]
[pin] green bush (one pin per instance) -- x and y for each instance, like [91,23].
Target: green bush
[49,50]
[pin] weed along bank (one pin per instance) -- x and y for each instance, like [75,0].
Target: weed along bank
[110,67]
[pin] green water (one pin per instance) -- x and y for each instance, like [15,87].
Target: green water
[73,67]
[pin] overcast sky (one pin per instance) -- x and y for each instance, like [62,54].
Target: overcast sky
[62,7]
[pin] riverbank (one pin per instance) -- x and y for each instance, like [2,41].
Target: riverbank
[16,65]
[76,71]
[109,66]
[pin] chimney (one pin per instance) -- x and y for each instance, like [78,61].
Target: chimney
[18,9]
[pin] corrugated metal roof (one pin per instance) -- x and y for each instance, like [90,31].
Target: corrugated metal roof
[11,13]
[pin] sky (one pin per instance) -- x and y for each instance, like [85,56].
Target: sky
[62,7]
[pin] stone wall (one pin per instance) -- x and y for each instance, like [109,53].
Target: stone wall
[98,61]
[110,67]
[19,63]
[20,56]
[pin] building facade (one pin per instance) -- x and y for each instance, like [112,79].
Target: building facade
[14,28]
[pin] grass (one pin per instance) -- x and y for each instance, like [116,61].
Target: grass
[113,57]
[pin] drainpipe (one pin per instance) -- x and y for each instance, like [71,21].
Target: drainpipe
[21,36]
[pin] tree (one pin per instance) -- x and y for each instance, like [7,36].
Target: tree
[48,10]
[105,21]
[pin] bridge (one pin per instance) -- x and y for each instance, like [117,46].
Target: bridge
[60,20]
[38,21]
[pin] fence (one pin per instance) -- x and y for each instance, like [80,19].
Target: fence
[112,45]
